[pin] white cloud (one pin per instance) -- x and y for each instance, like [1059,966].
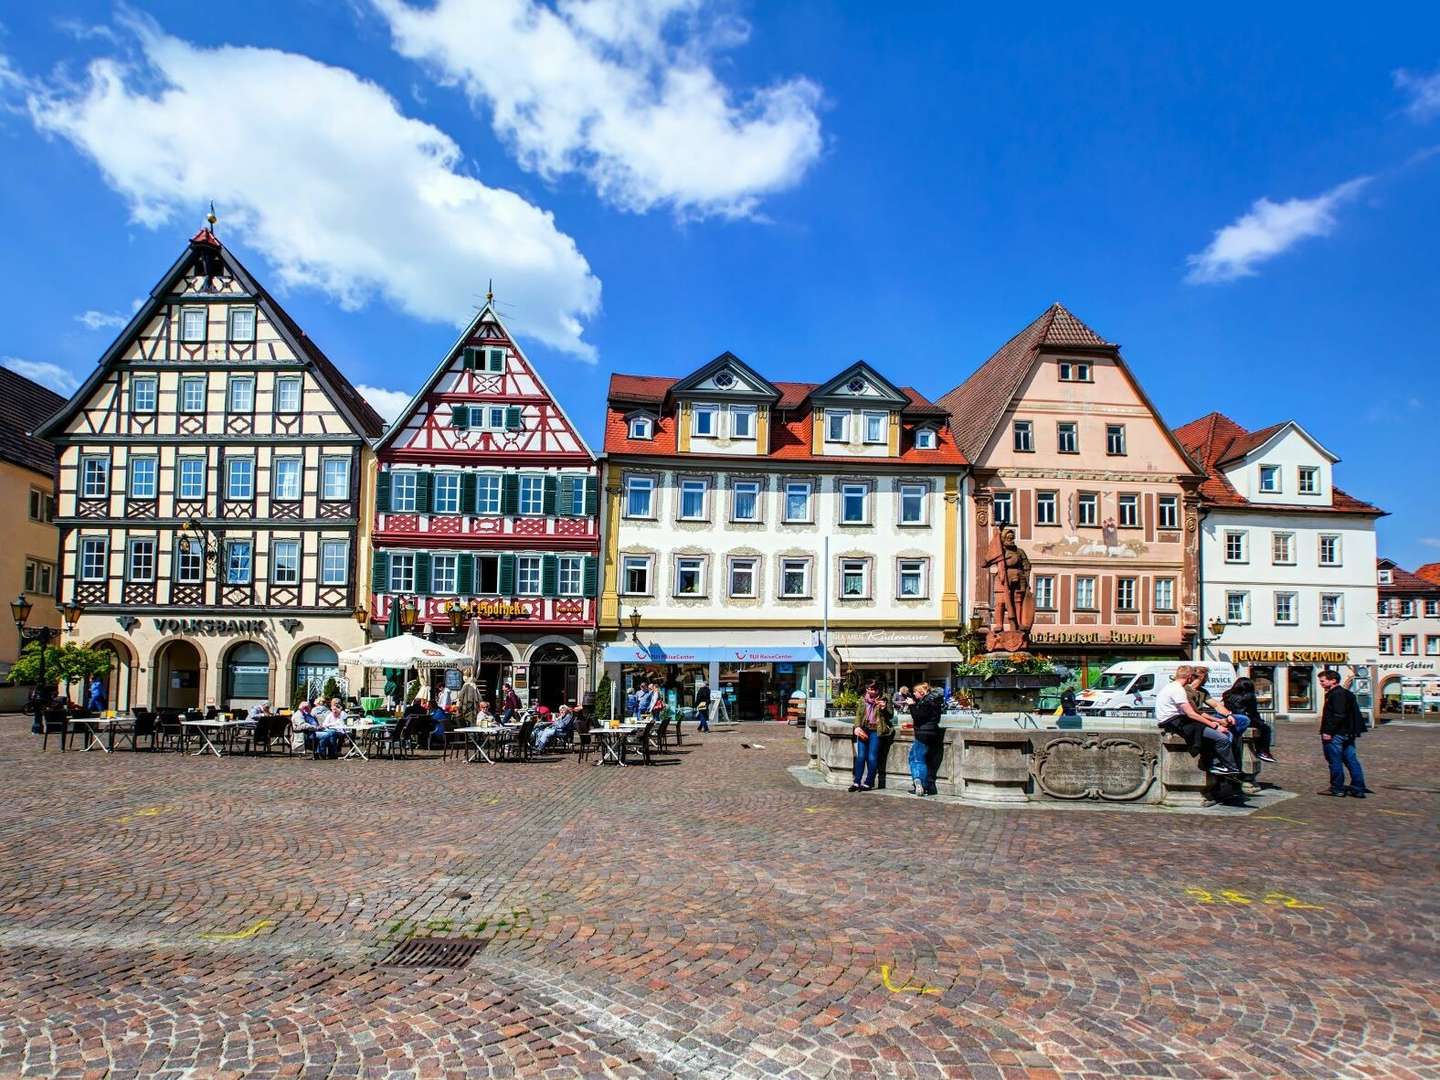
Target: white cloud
[1269,229]
[44,373]
[1430,541]
[320,171]
[97,320]
[1424,92]
[387,403]
[622,91]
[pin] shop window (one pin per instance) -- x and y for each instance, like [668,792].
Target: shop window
[1264,679]
[1300,689]
[1067,437]
[1024,436]
[313,666]
[1168,509]
[247,672]
[1087,509]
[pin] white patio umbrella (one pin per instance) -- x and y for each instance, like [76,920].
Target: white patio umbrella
[405,651]
[472,645]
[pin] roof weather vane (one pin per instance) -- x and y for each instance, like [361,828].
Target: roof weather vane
[490,292]
[210,218]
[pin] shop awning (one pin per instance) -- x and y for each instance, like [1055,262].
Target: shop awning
[660,653]
[891,655]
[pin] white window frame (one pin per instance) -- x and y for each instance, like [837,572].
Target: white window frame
[531,492]
[100,473]
[689,486]
[925,438]
[1387,577]
[1432,609]
[243,571]
[326,488]
[1023,436]
[746,413]
[1304,473]
[1127,593]
[1407,609]
[284,465]
[1164,594]
[489,493]
[1276,556]
[1237,601]
[1432,644]
[132,547]
[1075,371]
[94,551]
[742,563]
[712,425]
[1242,542]
[684,564]
[913,491]
[837,418]
[1274,472]
[642,427]
[877,421]
[404,491]
[1337,552]
[1086,584]
[788,565]
[181,464]
[132,470]
[1122,504]
[1337,615]
[635,485]
[288,382]
[445,575]
[230,469]
[446,483]
[1167,512]
[1044,592]
[152,384]
[402,573]
[1115,441]
[334,553]
[918,568]
[1007,500]
[191,382]
[1292,599]
[231,320]
[1385,646]
[1050,500]
[846,491]
[1413,644]
[637,563]
[791,486]
[755,487]
[1067,432]
[187,336]
[1087,501]
[280,561]
[570,575]
[234,383]
[187,564]
[864,566]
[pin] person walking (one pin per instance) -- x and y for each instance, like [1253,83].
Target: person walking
[1341,723]
[872,723]
[509,704]
[702,706]
[925,713]
[95,699]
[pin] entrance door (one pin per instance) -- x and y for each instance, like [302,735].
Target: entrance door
[555,675]
[314,666]
[493,673]
[750,695]
[117,679]
[177,677]
[247,675]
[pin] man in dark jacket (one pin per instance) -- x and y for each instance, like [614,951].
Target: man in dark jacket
[1340,725]
[925,716]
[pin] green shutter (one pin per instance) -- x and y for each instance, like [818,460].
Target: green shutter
[382,492]
[422,572]
[510,495]
[460,416]
[507,574]
[592,496]
[548,497]
[549,575]
[467,493]
[591,576]
[512,418]
[465,575]
[422,492]
[380,573]
[471,352]
[567,493]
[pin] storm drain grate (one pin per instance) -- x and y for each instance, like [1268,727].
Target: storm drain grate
[433,952]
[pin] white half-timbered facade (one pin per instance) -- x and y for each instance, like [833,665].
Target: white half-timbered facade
[212,478]
[487,502]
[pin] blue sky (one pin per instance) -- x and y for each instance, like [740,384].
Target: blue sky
[1245,200]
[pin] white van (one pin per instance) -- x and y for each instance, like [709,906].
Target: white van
[1128,689]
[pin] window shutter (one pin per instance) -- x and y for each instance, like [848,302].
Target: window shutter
[382,492]
[422,572]
[548,498]
[460,416]
[590,577]
[465,575]
[567,493]
[507,575]
[422,492]
[549,575]
[510,495]
[468,362]
[380,573]
[512,418]
[467,493]
[592,497]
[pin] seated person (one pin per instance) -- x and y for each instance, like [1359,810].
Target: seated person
[1176,713]
[903,699]
[1245,707]
[332,727]
[303,727]
[554,724]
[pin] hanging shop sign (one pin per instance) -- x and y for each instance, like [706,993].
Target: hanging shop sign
[1090,637]
[1290,656]
[499,609]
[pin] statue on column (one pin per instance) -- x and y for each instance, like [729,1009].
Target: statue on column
[1012,604]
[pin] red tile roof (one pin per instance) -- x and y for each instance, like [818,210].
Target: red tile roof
[790,434]
[977,404]
[1403,580]
[1214,440]
[1430,572]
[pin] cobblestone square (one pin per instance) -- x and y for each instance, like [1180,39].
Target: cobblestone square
[710,917]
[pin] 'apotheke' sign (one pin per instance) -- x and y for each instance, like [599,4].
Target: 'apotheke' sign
[1290,656]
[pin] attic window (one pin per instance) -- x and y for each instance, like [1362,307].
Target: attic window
[925,438]
[856,386]
[487,360]
[642,427]
[242,324]
[1075,371]
[725,379]
[192,324]
[1387,577]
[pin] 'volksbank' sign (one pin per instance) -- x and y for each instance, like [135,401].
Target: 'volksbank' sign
[211,626]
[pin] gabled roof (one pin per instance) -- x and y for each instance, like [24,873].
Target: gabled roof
[22,404]
[977,405]
[730,360]
[1212,440]
[485,314]
[352,405]
[1429,572]
[1403,580]
[891,394]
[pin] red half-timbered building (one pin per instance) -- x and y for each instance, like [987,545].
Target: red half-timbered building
[487,513]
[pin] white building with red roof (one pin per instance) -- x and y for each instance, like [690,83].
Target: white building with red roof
[1409,669]
[1287,563]
[750,523]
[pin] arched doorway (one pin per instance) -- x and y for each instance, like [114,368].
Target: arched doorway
[118,685]
[247,675]
[554,674]
[1391,696]
[177,676]
[315,665]
[494,671]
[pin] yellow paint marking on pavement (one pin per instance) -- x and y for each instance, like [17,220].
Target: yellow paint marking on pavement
[1279,817]
[819,810]
[143,812]
[910,987]
[241,935]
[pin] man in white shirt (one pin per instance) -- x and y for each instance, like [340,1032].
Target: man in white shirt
[1175,713]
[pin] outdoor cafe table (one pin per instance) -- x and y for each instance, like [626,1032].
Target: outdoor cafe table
[204,728]
[352,744]
[479,736]
[612,742]
[92,725]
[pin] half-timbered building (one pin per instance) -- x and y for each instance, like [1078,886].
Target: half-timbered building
[486,516]
[212,478]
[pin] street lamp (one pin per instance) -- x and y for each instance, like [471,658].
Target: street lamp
[195,536]
[408,613]
[71,612]
[635,625]
[20,609]
[456,611]
[1216,627]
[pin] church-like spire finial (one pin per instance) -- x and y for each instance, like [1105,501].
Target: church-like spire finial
[490,292]
[210,218]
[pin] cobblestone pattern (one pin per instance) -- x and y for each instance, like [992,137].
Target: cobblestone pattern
[169,916]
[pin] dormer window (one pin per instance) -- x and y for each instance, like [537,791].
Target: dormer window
[837,425]
[704,420]
[725,379]
[874,427]
[1075,371]
[491,361]
[1309,480]
[742,421]
[1387,577]
[1270,479]
[925,438]
[642,427]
